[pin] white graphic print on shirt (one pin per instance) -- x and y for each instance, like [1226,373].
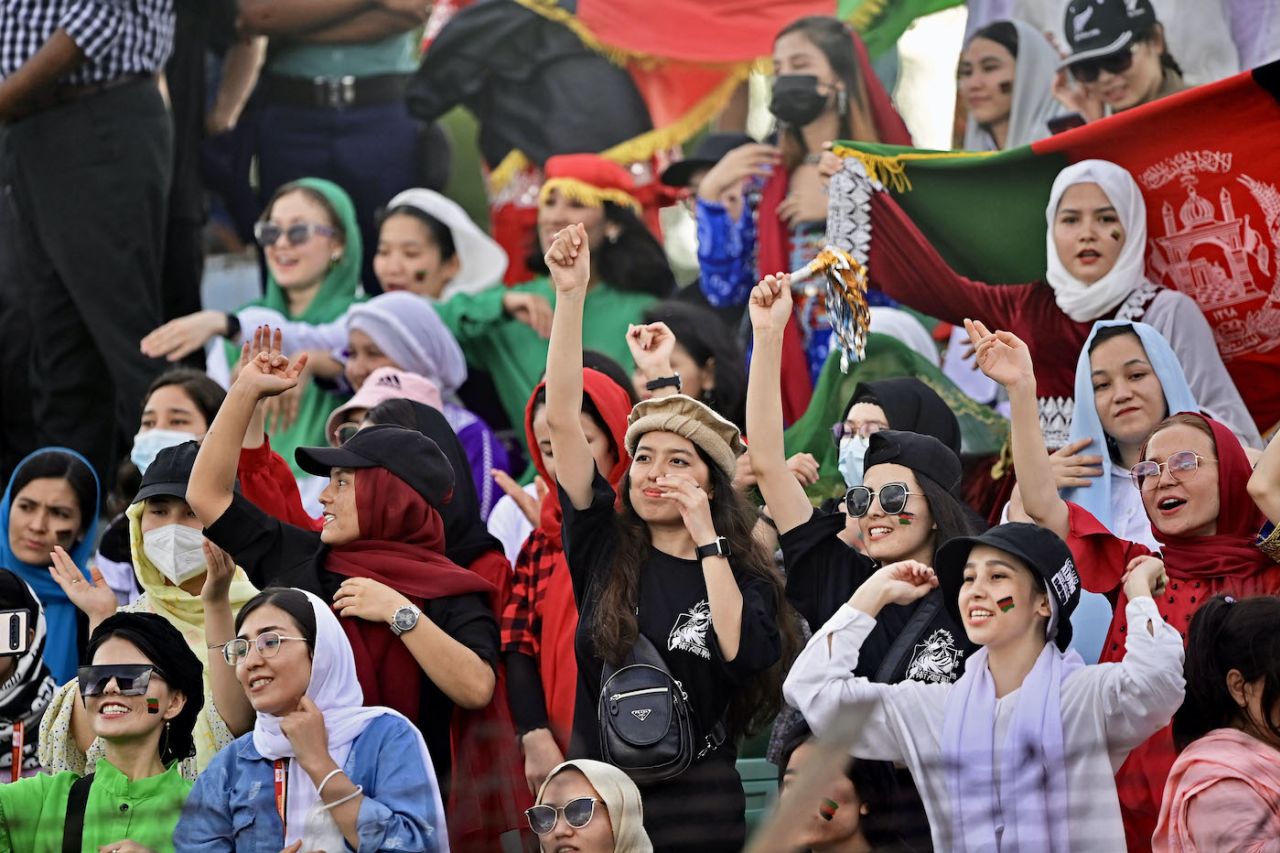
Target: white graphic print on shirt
[936,660]
[689,634]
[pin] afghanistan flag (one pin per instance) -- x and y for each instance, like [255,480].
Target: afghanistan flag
[1208,163]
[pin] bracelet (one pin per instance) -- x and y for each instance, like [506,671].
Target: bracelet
[664,382]
[357,792]
[325,781]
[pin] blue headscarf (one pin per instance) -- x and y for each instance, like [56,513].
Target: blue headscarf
[1085,423]
[61,652]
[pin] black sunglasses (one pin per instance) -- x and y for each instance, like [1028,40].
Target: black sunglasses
[267,233]
[577,813]
[1117,63]
[131,678]
[893,499]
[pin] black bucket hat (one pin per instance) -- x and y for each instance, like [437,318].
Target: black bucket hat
[1040,549]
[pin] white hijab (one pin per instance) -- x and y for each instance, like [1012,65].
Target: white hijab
[1082,302]
[481,261]
[407,328]
[336,691]
[1033,101]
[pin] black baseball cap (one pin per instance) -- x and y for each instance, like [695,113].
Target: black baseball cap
[1040,549]
[406,453]
[1098,28]
[923,454]
[170,472]
[709,151]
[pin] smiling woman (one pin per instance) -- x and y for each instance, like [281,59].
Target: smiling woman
[143,693]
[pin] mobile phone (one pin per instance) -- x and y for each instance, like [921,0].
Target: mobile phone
[13,632]
[1061,124]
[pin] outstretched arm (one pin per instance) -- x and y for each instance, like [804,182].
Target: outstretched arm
[1264,485]
[266,374]
[1006,359]
[569,260]
[770,310]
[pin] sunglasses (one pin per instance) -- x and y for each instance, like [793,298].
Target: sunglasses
[843,429]
[1182,466]
[893,499]
[577,813]
[267,644]
[131,678]
[1117,63]
[267,233]
[346,431]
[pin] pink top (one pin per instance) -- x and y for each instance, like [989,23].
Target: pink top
[1223,794]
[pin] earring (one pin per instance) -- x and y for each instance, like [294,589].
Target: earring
[842,101]
[611,239]
[164,739]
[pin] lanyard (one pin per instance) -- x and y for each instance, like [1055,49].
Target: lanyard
[282,791]
[15,769]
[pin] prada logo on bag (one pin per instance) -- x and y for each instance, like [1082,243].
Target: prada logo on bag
[642,714]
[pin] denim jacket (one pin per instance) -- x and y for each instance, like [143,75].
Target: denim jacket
[232,806]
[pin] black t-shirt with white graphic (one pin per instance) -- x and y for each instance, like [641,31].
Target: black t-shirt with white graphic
[704,805]
[918,642]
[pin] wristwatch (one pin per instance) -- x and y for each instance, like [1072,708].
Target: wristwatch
[718,548]
[404,619]
[664,382]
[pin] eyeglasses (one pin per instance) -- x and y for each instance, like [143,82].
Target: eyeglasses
[843,429]
[267,644]
[577,813]
[1146,474]
[1117,63]
[345,431]
[267,233]
[131,679]
[893,499]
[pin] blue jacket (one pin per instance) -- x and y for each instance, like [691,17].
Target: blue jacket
[232,806]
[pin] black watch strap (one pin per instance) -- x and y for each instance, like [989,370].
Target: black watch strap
[718,548]
[233,326]
[664,382]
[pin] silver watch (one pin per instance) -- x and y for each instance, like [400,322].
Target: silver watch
[404,619]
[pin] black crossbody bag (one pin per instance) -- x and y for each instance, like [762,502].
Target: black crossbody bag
[647,727]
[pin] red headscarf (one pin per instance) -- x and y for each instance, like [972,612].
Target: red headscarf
[401,544]
[1232,552]
[774,241]
[558,612]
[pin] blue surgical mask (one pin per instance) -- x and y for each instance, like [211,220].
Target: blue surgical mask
[147,445]
[853,451]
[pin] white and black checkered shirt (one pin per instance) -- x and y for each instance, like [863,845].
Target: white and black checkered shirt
[118,37]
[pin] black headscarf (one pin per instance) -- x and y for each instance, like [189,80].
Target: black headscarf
[465,535]
[164,646]
[911,406]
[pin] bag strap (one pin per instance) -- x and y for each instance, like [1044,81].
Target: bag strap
[905,643]
[77,801]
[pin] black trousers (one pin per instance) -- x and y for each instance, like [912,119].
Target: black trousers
[17,429]
[91,190]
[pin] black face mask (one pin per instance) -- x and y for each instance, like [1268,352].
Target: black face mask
[796,100]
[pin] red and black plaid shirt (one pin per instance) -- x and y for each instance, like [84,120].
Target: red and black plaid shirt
[522,617]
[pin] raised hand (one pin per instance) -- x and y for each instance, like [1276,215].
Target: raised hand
[178,338]
[529,308]
[651,346]
[754,159]
[93,597]
[569,260]
[805,467]
[770,305]
[693,503]
[219,571]
[1073,469]
[530,505]
[1002,356]
[265,370]
[901,583]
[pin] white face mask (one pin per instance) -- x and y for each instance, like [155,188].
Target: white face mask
[852,460]
[176,550]
[147,445]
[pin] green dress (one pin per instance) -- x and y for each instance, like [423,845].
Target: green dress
[515,356]
[33,810]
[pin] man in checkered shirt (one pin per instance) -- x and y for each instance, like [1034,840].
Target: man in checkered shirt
[86,152]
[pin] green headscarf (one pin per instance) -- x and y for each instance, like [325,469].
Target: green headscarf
[983,430]
[337,293]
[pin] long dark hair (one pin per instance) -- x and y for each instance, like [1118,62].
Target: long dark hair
[634,262]
[1226,634]
[951,517]
[617,626]
[699,331]
[57,465]
[835,39]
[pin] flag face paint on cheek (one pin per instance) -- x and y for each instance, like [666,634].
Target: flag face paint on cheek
[1005,604]
[153,705]
[905,518]
[828,809]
